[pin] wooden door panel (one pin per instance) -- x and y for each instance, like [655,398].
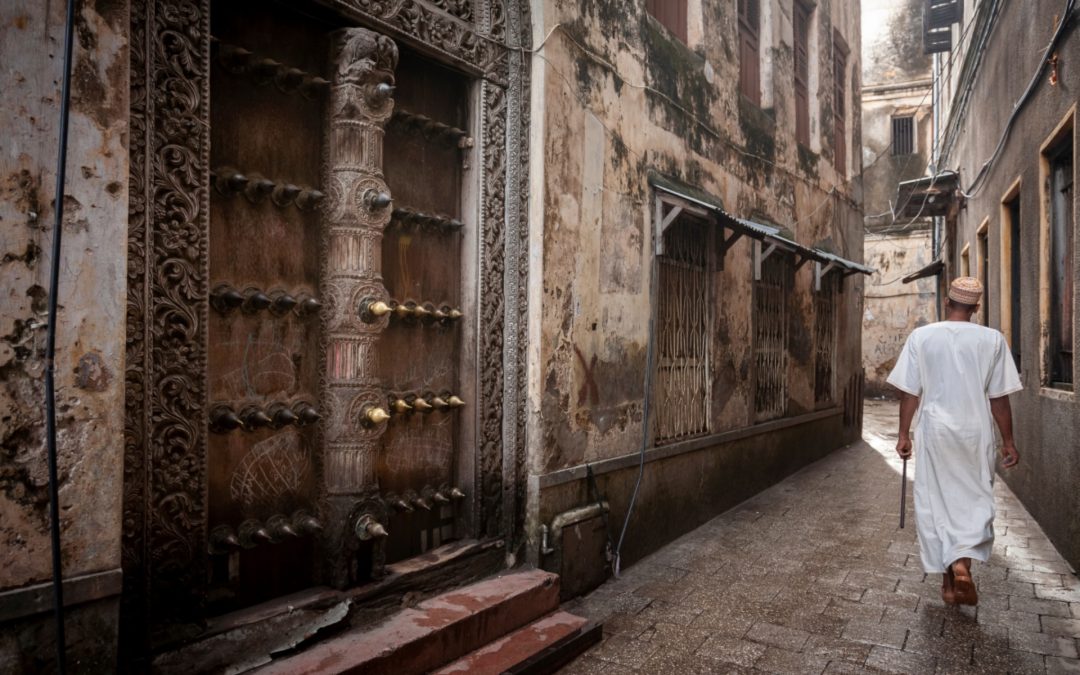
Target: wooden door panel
[264,239]
[422,261]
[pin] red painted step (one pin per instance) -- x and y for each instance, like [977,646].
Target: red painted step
[517,648]
[435,632]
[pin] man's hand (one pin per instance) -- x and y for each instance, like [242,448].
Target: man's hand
[903,447]
[1010,455]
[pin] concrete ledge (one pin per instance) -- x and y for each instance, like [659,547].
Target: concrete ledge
[36,599]
[693,445]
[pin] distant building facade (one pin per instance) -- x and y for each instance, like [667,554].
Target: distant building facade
[897,114]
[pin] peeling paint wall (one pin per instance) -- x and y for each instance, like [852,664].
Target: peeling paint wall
[90,337]
[616,95]
[897,78]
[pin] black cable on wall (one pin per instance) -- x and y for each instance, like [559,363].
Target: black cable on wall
[50,344]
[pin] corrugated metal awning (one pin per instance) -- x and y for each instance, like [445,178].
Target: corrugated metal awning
[927,196]
[771,236]
[931,270]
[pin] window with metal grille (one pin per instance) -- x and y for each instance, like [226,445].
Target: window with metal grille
[770,336]
[749,50]
[671,13]
[1060,186]
[684,315]
[802,72]
[903,135]
[825,302]
[840,56]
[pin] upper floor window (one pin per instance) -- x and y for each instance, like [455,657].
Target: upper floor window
[750,49]
[671,13]
[802,16]
[840,57]
[903,135]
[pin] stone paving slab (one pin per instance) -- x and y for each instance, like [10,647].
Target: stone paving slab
[814,576]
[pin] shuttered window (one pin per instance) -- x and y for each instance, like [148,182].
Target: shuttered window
[749,50]
[840,56]
[671,13]
[825,302]
[903,135]
[802,72]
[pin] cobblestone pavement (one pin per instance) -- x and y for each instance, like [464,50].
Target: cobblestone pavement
[814,575]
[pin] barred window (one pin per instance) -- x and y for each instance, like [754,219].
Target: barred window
[903,135]
[771,292]
[825,307]
[682,332]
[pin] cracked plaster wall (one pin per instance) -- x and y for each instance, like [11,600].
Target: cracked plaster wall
[90,337]
[598,132]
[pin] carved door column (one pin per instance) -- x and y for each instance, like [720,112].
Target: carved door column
[362,76]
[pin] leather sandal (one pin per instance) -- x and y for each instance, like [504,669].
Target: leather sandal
[963,586]
[948,594]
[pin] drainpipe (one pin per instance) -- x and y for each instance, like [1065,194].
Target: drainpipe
[935,126]
[50,346]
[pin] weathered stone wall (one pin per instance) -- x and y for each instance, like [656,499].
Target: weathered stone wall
[616,95]
[90,332]
[893,308]
[1047,421]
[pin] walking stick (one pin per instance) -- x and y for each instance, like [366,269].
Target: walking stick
[903,495]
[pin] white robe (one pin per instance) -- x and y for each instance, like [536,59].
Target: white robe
[955,368]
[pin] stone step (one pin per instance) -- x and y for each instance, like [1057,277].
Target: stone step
[435,632]
[541,647]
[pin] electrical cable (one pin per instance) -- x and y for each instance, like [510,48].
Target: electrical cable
[650,351]
[50,345]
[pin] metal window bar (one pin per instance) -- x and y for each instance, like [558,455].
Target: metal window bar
[683,386]
[903,134]
[825,302]
[770,336]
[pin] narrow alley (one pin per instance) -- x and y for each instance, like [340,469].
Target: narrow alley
[814,575]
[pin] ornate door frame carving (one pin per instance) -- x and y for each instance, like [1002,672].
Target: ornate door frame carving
[164,529]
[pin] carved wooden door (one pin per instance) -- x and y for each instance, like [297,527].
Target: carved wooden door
[297,209]
[326,294]
[264,332]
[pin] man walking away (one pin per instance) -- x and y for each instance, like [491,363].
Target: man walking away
[959,376]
